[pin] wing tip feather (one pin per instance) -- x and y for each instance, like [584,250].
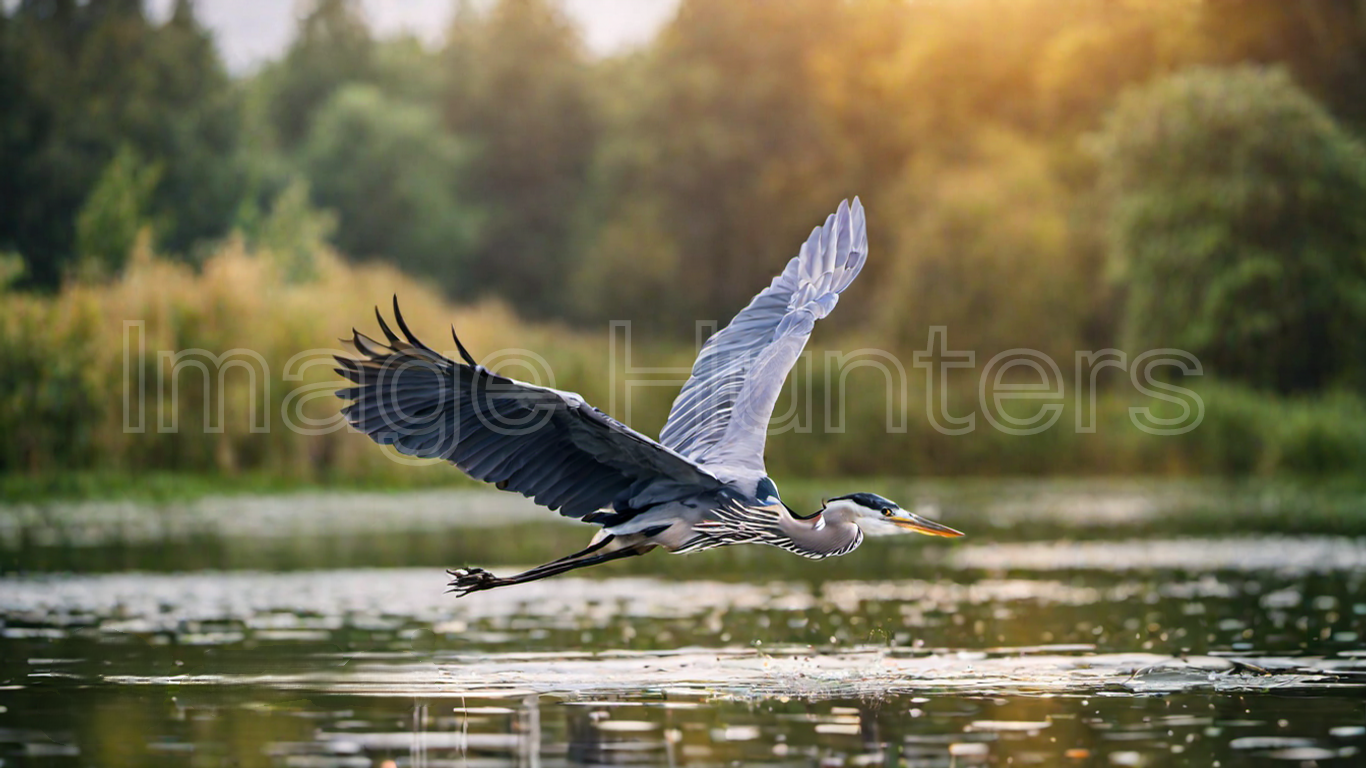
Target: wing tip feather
[464,353]
[383,326]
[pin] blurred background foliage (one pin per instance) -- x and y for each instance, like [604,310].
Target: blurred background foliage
[1060,175]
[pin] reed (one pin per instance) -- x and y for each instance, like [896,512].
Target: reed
[66,402]
[69,389]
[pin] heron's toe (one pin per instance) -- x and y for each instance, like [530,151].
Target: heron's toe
[466,580]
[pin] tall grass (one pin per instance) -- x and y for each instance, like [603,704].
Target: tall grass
[65,407]
[65,394]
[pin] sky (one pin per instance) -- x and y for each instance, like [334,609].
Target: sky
[249,32]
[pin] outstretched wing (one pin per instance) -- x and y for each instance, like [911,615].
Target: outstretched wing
[542,443]
[721,416]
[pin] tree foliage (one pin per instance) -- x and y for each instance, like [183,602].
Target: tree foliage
[109,223]
[333,48]
[986,250]
[517,90]
[1321,42]
[668,183]
[398,175]
[720,136]
[81,80]
[1240,226]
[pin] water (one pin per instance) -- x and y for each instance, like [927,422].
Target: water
[1079,624]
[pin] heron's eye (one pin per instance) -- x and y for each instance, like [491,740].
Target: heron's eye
[887,513]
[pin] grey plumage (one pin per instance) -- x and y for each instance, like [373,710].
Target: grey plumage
[700,486]
[736,521]
[543,443]
[721,416]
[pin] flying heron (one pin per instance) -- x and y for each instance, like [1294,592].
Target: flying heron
[701,485]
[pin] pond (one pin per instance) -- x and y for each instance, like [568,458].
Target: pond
[1079,624]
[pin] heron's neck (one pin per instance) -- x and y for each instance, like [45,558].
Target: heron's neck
[829,531]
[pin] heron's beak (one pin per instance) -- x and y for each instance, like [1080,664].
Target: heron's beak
[914,522]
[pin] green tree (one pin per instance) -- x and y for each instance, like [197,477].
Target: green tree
[716,128]
[409,70]
[631,269]
[11,270]
[196,137]
[293,232]
[1323,42]
[333,47]
[985,248]
[1239,226]
[117,210]
[394,176]
[81,80]
[517,89]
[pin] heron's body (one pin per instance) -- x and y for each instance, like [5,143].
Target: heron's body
[728,516]
[701,485]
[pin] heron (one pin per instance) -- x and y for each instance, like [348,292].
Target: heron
[701,485]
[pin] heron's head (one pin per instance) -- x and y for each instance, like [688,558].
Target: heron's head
[880,517]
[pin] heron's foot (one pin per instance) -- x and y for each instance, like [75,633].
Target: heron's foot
[467,580]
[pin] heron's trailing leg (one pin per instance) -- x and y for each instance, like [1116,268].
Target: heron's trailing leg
[467,580]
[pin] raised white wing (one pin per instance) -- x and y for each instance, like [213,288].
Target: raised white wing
[721,416]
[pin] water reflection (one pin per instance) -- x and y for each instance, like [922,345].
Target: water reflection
[1302,604]
[377,667]
[138,727]
[1132,649]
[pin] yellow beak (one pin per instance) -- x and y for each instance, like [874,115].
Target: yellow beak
[913,522]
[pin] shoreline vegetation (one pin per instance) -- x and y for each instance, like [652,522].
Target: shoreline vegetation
[63,408]
[1118,177]
[234,527]
[160,487]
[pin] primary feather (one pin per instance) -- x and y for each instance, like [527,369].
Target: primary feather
[543,443]
[720,418]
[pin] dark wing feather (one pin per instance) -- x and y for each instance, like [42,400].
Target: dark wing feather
[543,443]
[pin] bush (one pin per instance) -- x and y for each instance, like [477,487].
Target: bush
[63,378]
[398,174]
[116,211]
[66,396]
[1239,227]
[982,245]
[1322,436]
